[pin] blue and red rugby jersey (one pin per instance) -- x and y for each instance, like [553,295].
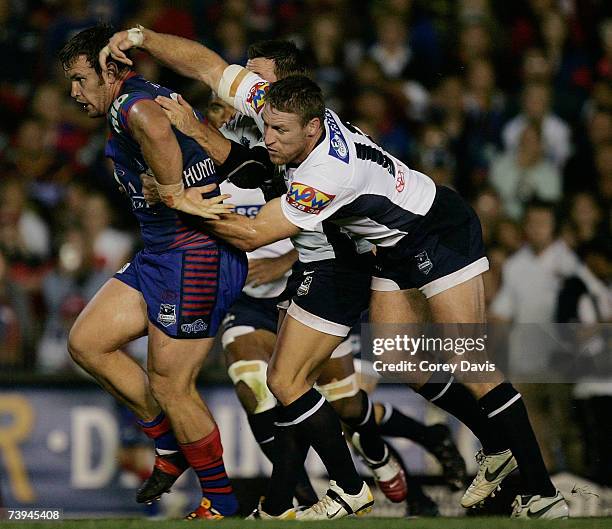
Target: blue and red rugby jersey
[162,228]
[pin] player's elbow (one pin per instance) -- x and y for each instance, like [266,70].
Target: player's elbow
[248,244]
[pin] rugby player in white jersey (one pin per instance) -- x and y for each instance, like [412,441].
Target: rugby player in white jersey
[338,174]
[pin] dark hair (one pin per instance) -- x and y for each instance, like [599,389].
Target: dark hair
[88,42]
[537,203]
[288,58]
[297,94]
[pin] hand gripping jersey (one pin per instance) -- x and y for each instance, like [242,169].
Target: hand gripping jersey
[162,228]
[248,97]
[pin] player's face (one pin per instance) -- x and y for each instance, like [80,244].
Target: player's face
[219,112]
[88,88]
[263,67]
[285,135]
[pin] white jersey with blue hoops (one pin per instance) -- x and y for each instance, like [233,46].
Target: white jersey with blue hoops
[351,181]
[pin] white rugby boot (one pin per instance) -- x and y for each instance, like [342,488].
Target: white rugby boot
[259,514]
[338,504]
[492,470]
[549,508]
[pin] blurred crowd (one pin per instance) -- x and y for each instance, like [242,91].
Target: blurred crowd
[510,103]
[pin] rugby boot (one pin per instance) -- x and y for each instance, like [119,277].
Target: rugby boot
[550,508]
[338,504]
[441,445]
[205,511]
[259,514]
[166,471]
[388,473]
[492,470]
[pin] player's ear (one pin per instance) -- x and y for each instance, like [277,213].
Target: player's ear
[313,126]
[112,72]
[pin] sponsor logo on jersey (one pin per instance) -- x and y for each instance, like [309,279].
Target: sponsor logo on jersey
[124,268]
[424,263]
[257,95]
[167,314]
[338,147]
[400,180]
[195,327]
[114,112]
[247,211]
[308,199]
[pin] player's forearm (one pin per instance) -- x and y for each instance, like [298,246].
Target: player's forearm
[184,56]
[238,230]
[213,142]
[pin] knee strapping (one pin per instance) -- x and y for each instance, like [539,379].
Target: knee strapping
[340,389]
[253,374]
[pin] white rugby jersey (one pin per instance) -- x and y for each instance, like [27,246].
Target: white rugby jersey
[351,181]
[248,98]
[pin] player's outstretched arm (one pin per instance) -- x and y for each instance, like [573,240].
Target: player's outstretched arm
[160,149]
[248,234]
[184,56]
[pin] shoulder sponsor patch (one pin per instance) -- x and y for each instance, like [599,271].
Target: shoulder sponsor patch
[308,199]
[338,147]
[257,95]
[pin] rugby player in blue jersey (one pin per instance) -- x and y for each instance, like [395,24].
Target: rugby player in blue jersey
[177,290]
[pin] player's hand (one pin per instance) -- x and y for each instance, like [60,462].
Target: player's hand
[149,189]
[180,113]
[193,203]
[118,44]
[262,271]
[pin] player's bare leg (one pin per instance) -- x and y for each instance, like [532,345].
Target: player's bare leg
[505,411]
[247,356]
[454,398]
[116,315]
[306,418]
[338,383]
[173,367]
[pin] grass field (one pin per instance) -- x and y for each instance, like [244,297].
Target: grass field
[351,523]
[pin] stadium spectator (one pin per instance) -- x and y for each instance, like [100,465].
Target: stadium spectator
[66,291]
[536,109]
[522,175]
[15,320]
[111,248]
[531,281]
[580,171]
[587,299]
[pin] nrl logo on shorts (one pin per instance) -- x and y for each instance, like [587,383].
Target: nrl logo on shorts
[167,314]
[424,263]
[196,326]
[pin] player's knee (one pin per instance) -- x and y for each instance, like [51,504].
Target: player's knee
[77,347]
[249,378]
[280,384]
[166,390]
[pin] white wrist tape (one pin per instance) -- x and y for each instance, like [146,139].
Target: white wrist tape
[170,193]
[136,36]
